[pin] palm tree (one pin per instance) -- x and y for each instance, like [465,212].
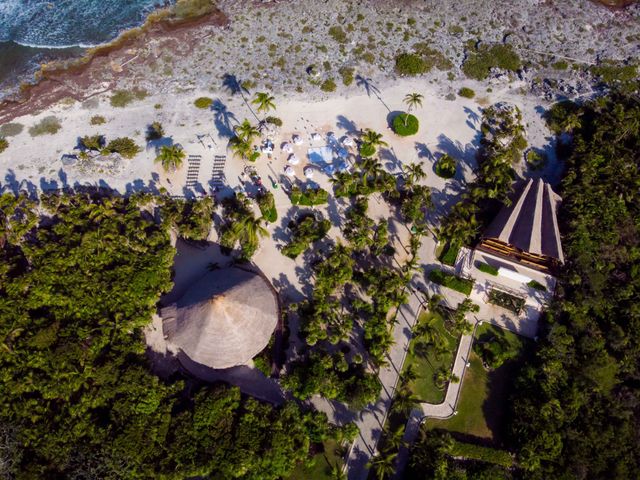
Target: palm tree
[415,173]
[264,102]
[248,230]
[383,465]
[412,100]
[370,140]
[373,138]
[247,132]
[171,157]
[240,148]
[336,472]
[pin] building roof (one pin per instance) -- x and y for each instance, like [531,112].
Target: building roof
[530,223]
[224,319]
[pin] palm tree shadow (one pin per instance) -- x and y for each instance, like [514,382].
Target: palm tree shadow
[223,119]
[369,88]
[233,85]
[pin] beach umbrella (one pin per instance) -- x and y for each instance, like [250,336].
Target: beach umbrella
[288,170]
[286,147]
[316,137]
[297,140]
[308,172]
[293,160]
[348,141]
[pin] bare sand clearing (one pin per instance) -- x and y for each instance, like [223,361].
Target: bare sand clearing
[446,126]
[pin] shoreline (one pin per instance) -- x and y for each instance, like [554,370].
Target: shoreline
[167,56]
[52,76]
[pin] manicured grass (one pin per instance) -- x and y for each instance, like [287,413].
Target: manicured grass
[449,255]
[486,268]
[484,397]
[471,414]
[405,124]
[323,462]
[537,285]
[425,362]
[451,281]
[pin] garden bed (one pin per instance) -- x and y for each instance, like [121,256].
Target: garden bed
[450,254]
[506,300]
[449,280]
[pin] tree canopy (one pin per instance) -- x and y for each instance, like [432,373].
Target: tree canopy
[80,275]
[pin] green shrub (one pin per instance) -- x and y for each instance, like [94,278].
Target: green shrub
[405,124]
[267,205]
[97,120]
[274,121]
[155,131]
[329,85]
[4,144]
[478,63]
[449,255]
[189,9]
[446,166]
[338,34]
[537,285]
[610,72]
[486,268]
[410,64]
[124,146]
[92,142]
[347,75]
[471,451]
[122,98]
[46,126]
[560,65]
[451,281]
[466,92]
[432,58]
[456,30]
[11,129]
[203,102]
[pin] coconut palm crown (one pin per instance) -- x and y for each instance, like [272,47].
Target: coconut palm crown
[171,157]
[264,101]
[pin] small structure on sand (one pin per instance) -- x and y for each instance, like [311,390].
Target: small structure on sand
[223,320]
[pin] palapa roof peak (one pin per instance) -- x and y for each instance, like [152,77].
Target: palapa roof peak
[224,319]
[530,223]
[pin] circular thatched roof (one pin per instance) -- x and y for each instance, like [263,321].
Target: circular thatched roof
[224,319]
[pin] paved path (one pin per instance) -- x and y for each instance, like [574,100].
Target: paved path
[372,419]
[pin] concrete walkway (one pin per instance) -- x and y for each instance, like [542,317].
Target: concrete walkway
[371,420]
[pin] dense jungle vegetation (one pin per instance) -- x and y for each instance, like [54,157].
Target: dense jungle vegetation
[80,275]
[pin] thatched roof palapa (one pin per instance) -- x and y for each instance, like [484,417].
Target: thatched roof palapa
[224,319]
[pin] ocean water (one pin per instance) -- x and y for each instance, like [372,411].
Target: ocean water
[36,31]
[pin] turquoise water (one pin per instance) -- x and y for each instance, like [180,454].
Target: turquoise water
[34,31]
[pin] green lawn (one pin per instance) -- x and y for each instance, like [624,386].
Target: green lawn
[323,462]
[422,356]
[483,399]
